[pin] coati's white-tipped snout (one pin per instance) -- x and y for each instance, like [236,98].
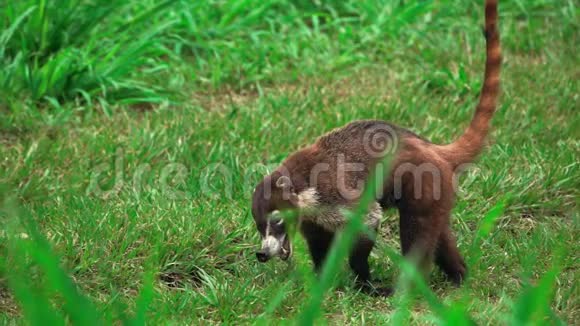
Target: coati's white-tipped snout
[275,242]
[273,246]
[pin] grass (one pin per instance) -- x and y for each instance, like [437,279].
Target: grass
[132,135]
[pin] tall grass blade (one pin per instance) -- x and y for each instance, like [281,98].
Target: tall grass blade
[77,307]
[533,304]
[9,32]
[484,230]
[343,244]
[36,306]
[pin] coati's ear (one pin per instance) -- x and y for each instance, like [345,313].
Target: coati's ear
[284,182]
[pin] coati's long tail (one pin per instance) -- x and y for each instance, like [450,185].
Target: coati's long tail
[469,145]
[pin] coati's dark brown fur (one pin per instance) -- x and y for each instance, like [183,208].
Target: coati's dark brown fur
[315,177]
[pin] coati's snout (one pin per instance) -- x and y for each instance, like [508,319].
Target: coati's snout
[262,256]
[274,248]
[275,242]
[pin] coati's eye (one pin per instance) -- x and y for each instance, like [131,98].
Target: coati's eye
[277,224]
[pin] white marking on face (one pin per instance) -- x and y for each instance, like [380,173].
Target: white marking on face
[274,212]
[272,245]
[308,198]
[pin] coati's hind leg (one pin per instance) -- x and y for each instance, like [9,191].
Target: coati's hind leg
[419,232]
[319,241]
[448,258]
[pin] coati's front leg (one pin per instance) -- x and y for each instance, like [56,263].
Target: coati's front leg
[359,263]
[319,241]
[359,259]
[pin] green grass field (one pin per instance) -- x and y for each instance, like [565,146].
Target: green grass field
[132,134]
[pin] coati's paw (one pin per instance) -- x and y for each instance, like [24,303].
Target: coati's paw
[370,289]
[457,273]
[382,292]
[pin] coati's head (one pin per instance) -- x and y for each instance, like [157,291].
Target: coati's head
[275,241]
[274,194]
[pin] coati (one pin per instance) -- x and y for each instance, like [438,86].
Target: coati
[330,174]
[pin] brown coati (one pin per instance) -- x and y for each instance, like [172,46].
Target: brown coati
[331,173]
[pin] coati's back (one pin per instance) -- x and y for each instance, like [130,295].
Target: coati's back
[373,134]
[344,158]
